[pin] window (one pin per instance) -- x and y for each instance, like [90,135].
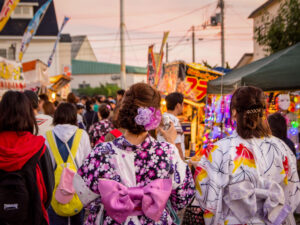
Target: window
[84,85]
[23,12]
[11,55]
[3,52]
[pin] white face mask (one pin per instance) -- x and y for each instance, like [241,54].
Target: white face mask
[284,101]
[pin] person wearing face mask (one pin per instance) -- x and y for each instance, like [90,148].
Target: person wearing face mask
[284,105]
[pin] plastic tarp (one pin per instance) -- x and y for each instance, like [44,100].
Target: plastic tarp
[279,71]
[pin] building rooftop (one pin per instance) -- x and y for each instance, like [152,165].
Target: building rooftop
[48,26]
[77,42]
[80,67]
[262,7]
[66,38]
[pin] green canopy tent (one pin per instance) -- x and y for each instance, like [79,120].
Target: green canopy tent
[279,71]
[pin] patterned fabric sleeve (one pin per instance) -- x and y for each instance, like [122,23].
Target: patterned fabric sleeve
[291,184]
[94,134]
[210,177]
[183,183]
[97,165]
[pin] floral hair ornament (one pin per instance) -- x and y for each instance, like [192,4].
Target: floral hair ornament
[149,117]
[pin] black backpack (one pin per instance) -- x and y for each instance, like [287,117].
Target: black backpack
[20,201]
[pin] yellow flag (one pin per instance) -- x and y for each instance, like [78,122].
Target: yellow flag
[8,7]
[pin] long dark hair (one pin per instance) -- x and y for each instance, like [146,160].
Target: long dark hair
[16,113]
[250,106]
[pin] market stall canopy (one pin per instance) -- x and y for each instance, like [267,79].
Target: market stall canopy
[279,71]
[36,74]
[58,82]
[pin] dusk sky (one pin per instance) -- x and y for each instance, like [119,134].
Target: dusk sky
[146,20]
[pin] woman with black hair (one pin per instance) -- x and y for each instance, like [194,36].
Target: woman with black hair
[18,148]
[90,117]
[100,129]
[249,177]
[66,138]
[278,127]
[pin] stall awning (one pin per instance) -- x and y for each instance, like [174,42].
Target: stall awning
[279,71]
[59,82]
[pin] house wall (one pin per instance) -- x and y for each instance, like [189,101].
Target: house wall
[86,52]
[94,80]
[39,48]
[271,10]
[64,51]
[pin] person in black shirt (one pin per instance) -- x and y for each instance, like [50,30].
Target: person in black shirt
[278,127]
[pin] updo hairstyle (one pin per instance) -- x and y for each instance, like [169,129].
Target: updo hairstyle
[250,105]
[138,95]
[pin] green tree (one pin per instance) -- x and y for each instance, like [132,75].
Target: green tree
[281,31]
[107,90]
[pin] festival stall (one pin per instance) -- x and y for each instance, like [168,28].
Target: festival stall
[277,75]
[190,80]
[60,86]
[11,76]
[36,76]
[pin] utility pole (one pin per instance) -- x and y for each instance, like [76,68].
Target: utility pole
[193,42]
[122,48]
[167,52]
[221,5]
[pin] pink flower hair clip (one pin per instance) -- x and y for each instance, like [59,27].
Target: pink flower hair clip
[149,117]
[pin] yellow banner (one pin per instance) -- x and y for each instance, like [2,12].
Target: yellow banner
[8,7]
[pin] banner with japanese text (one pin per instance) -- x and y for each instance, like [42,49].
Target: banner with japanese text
[7,9]
[188,79]
[11,76]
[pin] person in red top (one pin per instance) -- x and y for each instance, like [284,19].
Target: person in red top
[18,145]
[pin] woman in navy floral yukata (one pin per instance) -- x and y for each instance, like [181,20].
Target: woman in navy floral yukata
[130,180]
[100,129]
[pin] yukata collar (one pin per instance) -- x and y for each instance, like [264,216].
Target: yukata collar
[123,144]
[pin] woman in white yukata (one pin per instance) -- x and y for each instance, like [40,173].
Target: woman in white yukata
[134,177]
[249,177]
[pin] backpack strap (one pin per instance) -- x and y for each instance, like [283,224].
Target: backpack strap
[53,147]
[117,133]
[75,146]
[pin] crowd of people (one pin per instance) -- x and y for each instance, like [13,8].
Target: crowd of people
[116,161]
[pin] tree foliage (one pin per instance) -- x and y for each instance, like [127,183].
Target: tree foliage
[281,31]
[107,90]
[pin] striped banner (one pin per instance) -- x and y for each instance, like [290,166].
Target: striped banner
[32,28]
[8,7]
[66,19]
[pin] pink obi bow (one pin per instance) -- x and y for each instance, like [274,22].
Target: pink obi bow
[120,201]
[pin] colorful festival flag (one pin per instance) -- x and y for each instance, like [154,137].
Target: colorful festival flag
[66,19]
[32,28]
[151,66]
[155,62]
[160,59]
[8,7]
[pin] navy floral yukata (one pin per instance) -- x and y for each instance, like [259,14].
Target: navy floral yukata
[136,166]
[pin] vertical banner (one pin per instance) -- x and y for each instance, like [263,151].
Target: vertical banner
[8,7]
[66,19]
[151,66]
[160,58]
[32,28]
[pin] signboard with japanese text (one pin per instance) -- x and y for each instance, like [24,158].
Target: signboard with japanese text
[11,76]
[188,79]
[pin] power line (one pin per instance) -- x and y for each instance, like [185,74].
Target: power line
[174,18]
